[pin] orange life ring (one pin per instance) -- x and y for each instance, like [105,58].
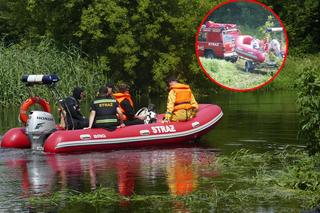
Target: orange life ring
[28,103]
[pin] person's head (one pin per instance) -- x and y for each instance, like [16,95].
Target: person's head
[122,87]
[78,93]
[109,88]
[102,92]
[172,80]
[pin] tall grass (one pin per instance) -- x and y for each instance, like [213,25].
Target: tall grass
[232,74]
[44,58]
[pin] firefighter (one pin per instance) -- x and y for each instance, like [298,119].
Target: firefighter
[104,110]
[181,104]
[126,105]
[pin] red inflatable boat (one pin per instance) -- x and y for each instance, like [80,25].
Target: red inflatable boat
[245,49]
[65,141]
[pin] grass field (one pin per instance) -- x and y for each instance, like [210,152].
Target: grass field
[233,75]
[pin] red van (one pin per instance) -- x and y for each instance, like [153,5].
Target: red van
[218,41]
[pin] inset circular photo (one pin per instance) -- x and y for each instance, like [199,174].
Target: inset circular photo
[241,45]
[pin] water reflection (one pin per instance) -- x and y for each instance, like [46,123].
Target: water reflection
[251,120]
[31,170]
[181,176]
[256,121]
[173,170]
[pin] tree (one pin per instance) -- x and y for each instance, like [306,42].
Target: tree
[146,41]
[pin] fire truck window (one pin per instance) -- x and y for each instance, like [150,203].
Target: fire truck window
[202,36]
[227,38]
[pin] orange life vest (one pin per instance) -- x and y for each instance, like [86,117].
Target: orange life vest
[120,97]
[183,96]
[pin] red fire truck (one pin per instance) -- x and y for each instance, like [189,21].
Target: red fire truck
[218,41]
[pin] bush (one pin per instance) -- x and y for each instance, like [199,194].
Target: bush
[308,86]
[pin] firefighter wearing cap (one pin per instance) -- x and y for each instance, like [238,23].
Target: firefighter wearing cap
[181,104]
[71,107]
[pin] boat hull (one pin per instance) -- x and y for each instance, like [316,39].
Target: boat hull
[16,138]
[135,136]
[155,134]
[245,50]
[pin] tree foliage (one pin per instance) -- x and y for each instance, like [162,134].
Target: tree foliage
[143,42]
[301,19]
[241,13]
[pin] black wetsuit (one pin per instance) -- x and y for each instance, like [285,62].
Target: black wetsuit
[74,118]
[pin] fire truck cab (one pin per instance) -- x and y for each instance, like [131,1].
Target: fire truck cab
[218,41]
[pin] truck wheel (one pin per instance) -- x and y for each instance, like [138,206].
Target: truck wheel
[252,66]
[209,54]
[249,66]
[234,60]
[246,66]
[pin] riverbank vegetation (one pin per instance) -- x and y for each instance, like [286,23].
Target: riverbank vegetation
[142,43]
[308,87]
[287,181]
[72,68]
[75,69]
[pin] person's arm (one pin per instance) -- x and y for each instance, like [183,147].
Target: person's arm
[194,103]
[128,109]
[120,117]
[170,105]
[71,106]
[91,118]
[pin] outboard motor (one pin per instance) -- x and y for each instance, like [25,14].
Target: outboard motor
[40,124]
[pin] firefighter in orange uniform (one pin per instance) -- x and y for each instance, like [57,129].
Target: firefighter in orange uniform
[181,104]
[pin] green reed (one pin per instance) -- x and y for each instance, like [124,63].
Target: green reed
[70,64]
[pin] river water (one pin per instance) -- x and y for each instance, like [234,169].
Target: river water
[255,121]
